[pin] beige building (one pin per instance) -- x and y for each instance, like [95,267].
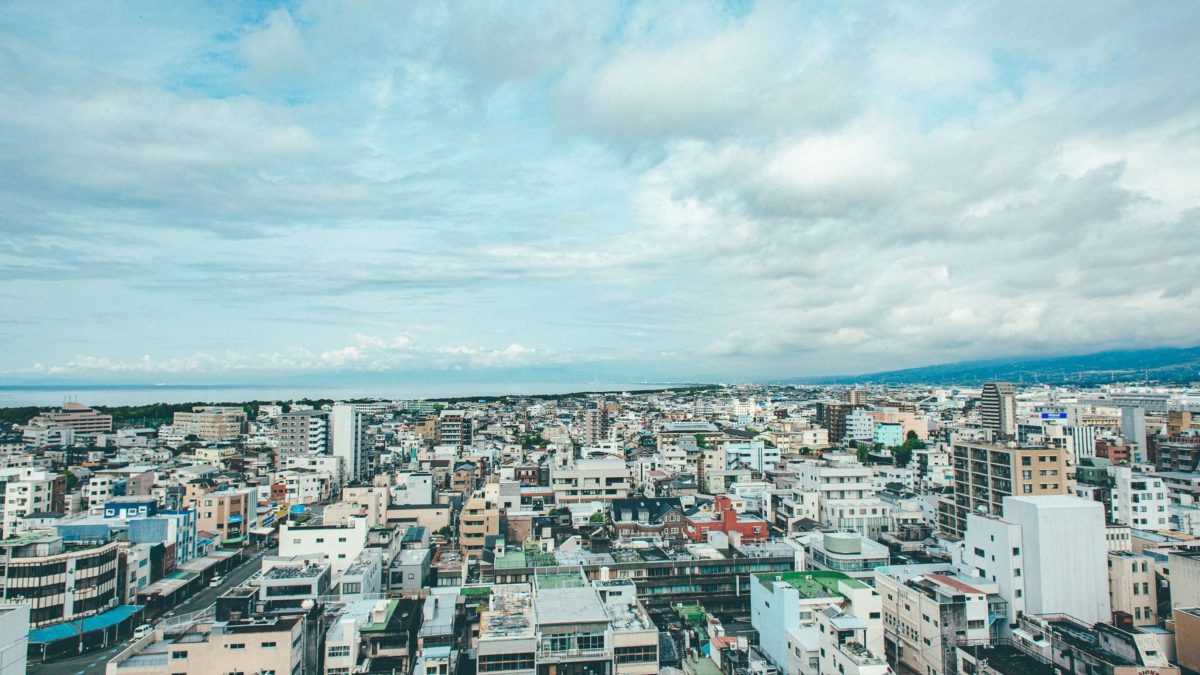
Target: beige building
[479,519]
[986,473]
[1187,637]
[75,416]
[262,646]
[1131,587]
[225,512]
[211,423]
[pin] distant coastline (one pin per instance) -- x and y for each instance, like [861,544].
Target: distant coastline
[12,396]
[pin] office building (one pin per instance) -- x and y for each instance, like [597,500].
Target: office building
[75,416]
[211,423]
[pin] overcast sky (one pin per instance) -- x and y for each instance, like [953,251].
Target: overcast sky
[741,190]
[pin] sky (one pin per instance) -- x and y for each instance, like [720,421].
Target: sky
[223,192]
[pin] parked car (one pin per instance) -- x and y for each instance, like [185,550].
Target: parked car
[216,581]
[142,631]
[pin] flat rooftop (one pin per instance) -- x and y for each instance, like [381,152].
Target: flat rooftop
[569,605]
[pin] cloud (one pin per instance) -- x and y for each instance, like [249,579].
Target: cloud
[757,190]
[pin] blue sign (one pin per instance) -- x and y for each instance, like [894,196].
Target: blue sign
[1054,415]
[299,508]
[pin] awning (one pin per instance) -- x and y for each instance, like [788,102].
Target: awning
[166,586]
[199,564]
[70,629]
[262,531]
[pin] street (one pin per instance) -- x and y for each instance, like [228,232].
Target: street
[94,663]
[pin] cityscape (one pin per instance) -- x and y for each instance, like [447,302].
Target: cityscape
[607,337]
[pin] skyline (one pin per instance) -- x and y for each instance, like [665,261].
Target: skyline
[722,192]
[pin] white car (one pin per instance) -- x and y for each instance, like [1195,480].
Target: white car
[216,581]
[142,631]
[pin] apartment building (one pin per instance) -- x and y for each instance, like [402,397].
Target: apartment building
[454,428]
[1132,588]
[1138,500]
[586,480]
[928,608]
[337,545]
[211,423]
[24,491]
[998,409]
[480,519]
[986,473]
[304,431]
[348,441]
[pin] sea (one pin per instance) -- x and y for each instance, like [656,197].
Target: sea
[115,395]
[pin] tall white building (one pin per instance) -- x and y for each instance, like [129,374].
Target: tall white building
[347,434]
[999,408]
[1138,500]
[1048,554]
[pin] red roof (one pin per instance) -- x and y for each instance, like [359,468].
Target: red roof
[954,583]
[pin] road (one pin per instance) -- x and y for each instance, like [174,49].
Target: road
[94,663]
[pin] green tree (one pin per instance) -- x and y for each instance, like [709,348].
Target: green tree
[863,453]
[597,518]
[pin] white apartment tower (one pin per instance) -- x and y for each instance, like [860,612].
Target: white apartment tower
[347,427]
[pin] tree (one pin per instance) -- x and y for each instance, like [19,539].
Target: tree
[597,518]
[863,453]
[902,455]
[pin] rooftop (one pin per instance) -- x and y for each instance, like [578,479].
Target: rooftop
[569,605]
[811,584]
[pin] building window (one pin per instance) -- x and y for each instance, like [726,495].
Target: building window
[179,655]
[236,646]
[268,645]
[337,651]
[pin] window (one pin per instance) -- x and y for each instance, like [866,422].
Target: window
[337,651]
[179,655]
[236,646]
[268,645]
[638,654]
[494,663]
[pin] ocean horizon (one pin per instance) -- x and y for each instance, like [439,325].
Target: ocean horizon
[12,396]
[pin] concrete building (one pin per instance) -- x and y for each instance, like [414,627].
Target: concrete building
[347,430]
[1138,500]
[211,423]
[928,608]
[304,431]
[586,480]
[480,519]
[58,583]
[454,428]
[998,409]
[754,454]
[986,473]
[338,546]
[14,641]
[24,491]
[1024,553]
[259,645]
[786,609]
[226,512]
[75,416]
[1132,587]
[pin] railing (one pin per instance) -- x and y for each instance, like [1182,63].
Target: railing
[576,653]
[144,661]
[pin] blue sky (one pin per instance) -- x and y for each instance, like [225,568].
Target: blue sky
[213,193]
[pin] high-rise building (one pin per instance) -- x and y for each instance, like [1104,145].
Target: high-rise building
[454,428]
[594,428]
[999,408]
[304,431]
[986,473]
[347,431]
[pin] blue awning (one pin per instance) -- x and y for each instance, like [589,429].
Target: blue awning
[70,629]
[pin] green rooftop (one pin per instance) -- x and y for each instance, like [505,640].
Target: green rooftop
[811,583]
[560,581]
[387,618]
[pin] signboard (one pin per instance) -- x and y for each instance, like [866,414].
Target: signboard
[1054,415]
[299,508]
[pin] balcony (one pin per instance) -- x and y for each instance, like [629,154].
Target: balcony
[545,652]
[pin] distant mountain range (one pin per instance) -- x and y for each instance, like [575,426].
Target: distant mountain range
[1161,365]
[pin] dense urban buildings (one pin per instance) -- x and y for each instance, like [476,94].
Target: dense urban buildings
[739,529]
